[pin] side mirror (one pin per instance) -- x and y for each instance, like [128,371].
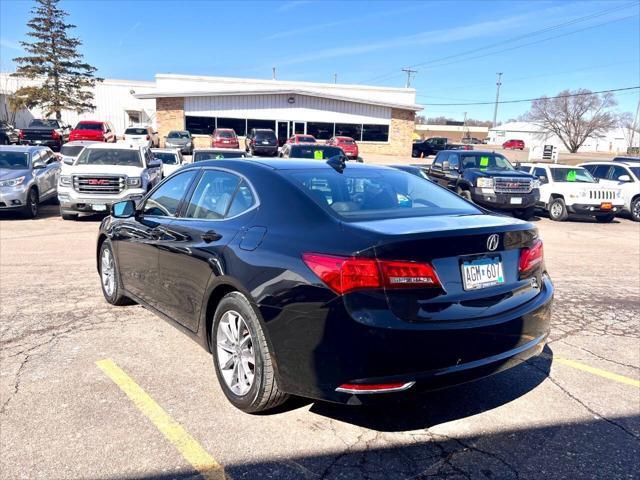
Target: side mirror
[125,209]
[624,178]
[39,165]
[67,160]
[543,179]
[155,163]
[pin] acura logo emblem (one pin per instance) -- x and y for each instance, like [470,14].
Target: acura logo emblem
[492,242]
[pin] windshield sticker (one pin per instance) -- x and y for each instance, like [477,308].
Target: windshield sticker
[571,176]
[219,157]
[317,154]
[484,162]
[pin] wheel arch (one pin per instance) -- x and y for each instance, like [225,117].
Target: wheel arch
[101,240]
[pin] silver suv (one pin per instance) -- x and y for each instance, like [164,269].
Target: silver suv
[28,176]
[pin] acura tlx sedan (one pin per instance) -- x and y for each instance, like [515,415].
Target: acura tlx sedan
[333,281]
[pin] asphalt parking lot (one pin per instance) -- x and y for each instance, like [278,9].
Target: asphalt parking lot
[92,391]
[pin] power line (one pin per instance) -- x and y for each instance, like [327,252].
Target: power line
[409,73]
[519,37]
[532,99]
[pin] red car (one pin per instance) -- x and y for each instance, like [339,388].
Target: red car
[347,144]
[296,139]
[225,138]
[95,131]
[513,144]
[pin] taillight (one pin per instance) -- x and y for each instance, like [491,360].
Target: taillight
[359,388]
[20,134]
[345,274]
[55,135]
[148,137]
[531,257]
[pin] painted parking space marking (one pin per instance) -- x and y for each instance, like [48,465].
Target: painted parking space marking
[596,371]
[188,447]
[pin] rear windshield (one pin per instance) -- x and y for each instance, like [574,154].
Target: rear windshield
[225,134]
[572,175]
[265,135]
[178,135]
[44,123]
[14,160]
[346,142]
[378,194]
[136,131]
[307,139]
[636,171]
[485,161]
[115,156]
[89,126]
[166,158]
[314,152]
[217,155]
[71,150]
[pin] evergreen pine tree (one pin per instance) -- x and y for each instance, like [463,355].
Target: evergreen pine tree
[67,81]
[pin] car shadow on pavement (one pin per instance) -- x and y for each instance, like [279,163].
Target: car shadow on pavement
[45,210]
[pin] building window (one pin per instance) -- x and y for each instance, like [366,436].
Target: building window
[352,130]
[239,125]
[375,133]
[320,130]
[200,125]
[253,123]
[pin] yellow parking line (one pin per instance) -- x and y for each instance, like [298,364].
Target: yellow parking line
[597,371]
[190,449]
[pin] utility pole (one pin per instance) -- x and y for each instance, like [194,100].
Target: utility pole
[495,110]
[635,124]
[409,73]
[465,129]
[335,78]
[273,73]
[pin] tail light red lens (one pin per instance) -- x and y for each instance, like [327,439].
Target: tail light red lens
[358,388]
[20,134]
[346,274]
[531,257]
[55,135]
[148,137]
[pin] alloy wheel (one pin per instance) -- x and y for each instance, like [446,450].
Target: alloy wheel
[236,357]
[556,210]
[635,212]
[33,203]
[107,272]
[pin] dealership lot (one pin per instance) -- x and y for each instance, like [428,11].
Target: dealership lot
[573,413]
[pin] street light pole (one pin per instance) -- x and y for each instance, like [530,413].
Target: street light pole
[495,110]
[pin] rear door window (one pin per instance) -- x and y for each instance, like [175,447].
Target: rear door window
[212,198]
[598,171]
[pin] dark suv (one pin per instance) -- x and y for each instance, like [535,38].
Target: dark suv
[261,141]
[488,179]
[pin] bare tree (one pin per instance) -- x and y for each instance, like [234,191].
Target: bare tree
[574,116]
[630,129]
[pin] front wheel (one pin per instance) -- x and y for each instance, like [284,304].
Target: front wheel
[30,209]
[110,276]
[241,357]
[558,210]
[605,218]
[415,153]
[635,210]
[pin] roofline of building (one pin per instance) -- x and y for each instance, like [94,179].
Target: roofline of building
[229,93]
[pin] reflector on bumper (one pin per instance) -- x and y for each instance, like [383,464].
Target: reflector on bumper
[359,388]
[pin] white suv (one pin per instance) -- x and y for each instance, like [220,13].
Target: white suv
[105,174]
[565,189]
[625,176]
[139,136]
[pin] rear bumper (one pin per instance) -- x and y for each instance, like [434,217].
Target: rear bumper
[584,209]
[264,149]
[333,348]
[51,143]
[502,201]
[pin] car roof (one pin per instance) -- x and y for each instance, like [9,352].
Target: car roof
[91,121]
[165,150]
[83,143]
[22,148]
[601,162]
[218,150]
[282,164]
[112,146]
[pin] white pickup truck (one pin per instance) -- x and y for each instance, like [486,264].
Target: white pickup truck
[104,174]
[565,189]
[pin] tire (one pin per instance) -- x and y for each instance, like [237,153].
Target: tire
[111,289]
[415,153]
[525,213]
[260,392]
[68,216]
[558,210]
[466,194]
[635,210]
[608,218]
[30,210]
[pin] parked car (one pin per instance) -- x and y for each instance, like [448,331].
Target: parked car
[225,138]
[303,280]
[142,136]
[625,176]
[179,139]
[565,190]
[46,132]
[513,145]
[202,154]
[70,151]
[92,130]
[28,177]
[105,174]
[347,144]
[310,151]
[471,141]
[627,159]
[261,141]
[299,138]
[8,133]
[171,159]
[433,145]
[488,179]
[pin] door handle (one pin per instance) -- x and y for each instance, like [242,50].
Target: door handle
[211,236]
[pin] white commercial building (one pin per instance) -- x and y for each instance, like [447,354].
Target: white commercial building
[614,141]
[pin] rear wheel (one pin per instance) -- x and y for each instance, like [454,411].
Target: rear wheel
[415,153]
[110,276]
[635,209]
[605,218]
[241,357]
[558,210]
[30,209]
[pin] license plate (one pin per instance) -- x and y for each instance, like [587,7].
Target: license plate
[225,141]
[265,142]
[606,206]
[482,273]
[38,142]
[99,208]
[516,200]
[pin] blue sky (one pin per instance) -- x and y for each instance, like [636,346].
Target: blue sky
[457,47]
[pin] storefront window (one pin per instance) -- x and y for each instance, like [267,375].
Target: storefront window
[200,125]
[320,130]
[375,133]
[238,124]
[251,123]
[352,130]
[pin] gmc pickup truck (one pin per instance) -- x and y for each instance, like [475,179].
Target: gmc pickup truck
[433,145]
[488,179]
[45,132]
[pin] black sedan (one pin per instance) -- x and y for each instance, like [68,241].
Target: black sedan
[329,281]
